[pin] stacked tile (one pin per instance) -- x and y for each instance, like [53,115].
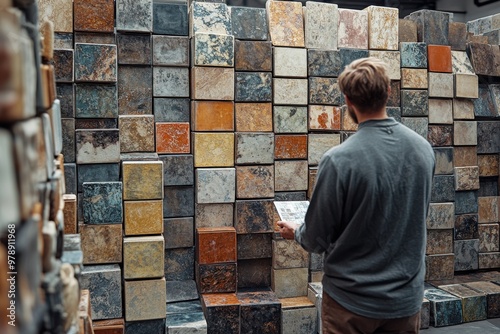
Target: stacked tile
[298,316]
[445,308]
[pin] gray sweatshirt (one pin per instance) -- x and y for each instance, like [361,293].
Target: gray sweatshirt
[368,213]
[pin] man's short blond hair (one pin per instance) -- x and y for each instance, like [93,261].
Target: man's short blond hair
[366,83]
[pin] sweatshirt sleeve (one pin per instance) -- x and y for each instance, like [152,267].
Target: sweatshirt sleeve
[323,218]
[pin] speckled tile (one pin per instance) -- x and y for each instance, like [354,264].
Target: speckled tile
[137,133]
[214,215]
[393,61]
[142,180]
[183,322]
[222,312]
[488,165]
[178,201]
[253,216]
[439,241]
[170,82]
[413,55]
[216,277]
[253,87]
[318,144]
[488,237]
[134,49]
[101,243]
[325,91]
[179,232]
[466,202]
[321,21]
[172,137]
[102,203]
[209,17]
[145,300]
[487,139]
[253,117]
[171,50]
[249,23]
[289,254]
[414,102]
[492,292]
[488,209]
[212,83]
[383,27]
[353,29]
[260,312]
[178,169]
[413,78]
[213,149]
[143,257]
[96,101]
[215,185]
[439,267]
[348,55]
[323,63]
[143,217]
[466,254]
[460,62]
[473,302]
[291,175]
[171,109]
[489,260]
[170,18]
[133,15]
[179,264]
[60,12]
[213,50]
[254,148]
[95,62]
[254,181]
[443,189]
[104,284]
[432,26]
[253,55]
[445,308]
[135,90]
[97,146]
[290,282]
[290,147]
[64,65]
[286,23]
[441,216]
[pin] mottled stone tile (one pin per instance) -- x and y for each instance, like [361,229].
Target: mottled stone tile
[323,63]
[253,216]
[488,165]
[132,15]
[288,283]
[439,241]
[170,18]
[290,147]
[457,35]
[66,94]
[417,124]
[179,264]
[171,50]
[255,273]
[482,58]
[289,62]
[253,56]
[286,23]
[104,284]
[445,308]
[249,23]
[178,202]
[465,133]
[488,208]
[101,243]
[290,91]
[412,78]
[414,102]
[178,232]
[213,149]
[222,312]
[102,203]
[413,55]
[324,91]
[347,56]
[463,109]
[289,254]
[407,31]
[215,245]
[383,28]
[443,189]
[432,26]
[466,227]
[142,180]
[95,62]
[253,117]
[321,21]
[254,181]
[488,187]
[492,296]
[135,90]
[353,29]
[441,216]
[143,257]
[139,156]
[213,50]
[145,300]
[260,311]
[209,17]
[488,238]
[212,116]
[184,306]
[97,146]
[96,101]
[465,156]
[394,99]
[170,82]
[215,185]
[441,85]
[324,117]
[143,217]
[253,87]
[60,12]
[473,302]
[290,119]
[172,137]
[487,139]
[97,173]
[94,38]
[466,202]
[298,316]
[254,246]
[171,109]
[483,105]
[254,148]
[214,215]
[318,144]
[489,260]
[439,58]
[145,326]
[439,267]
[440,135]
[216,277]
[178,169]
[394,112]
[212,83]
[183,291]
[291,175]
[63,65]
[460,63]
[137,133]
[466,254]
[134,49]
[440,111]
[466,86]
[444,160]
[70,178]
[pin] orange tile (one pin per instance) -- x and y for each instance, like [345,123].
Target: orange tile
[439,58]
[215,245]
[172,138]
[254,117]
[324,117]
[290,147]
[212,116]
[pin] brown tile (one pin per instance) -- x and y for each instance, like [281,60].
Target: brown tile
[253,56]
[94,15]
[465,156]
[101,243]
[488,164]
[254,117]
[212,116]
[439,58]
[255,181]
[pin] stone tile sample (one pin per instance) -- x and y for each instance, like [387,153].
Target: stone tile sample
[394,99]
[439,267]
[439,58]
[260,312]
[290,91]
[145,300]
[253,117]
[213,149]
[252,55]
[441,216]
[457,35]
[101,243]
[254,148]
[324,117]
[432,26]
[178,202]
[473,302]
[290,147]
[143,257]
[440,111]
[288,283]
[249,23]
[289,254]
[489,209]
[489,260]
[172,137]
[323,63]
[96,101]
[440,135]
[97,146]
[134,16]
[102,203]
[488,238]
[488,141]
[466,86]
[483,105]
[291,175]
[215,185]
[63,65]
[465,133]
[187,306]
[95,63]
[170,82]
[460,63]
[171,109]
[417,124]
[214,215]
[209,17]
[70,214]
[253,216]
[488,187]
[253,87]
[482,59]
[444,160]
[179,264]
[143,217]
[286,24]
[324,91]
[488,165]
[407,31]
[104,283]
[66,94]
[412,78]
[97,173]
[466,254]
[134,49]
[465,156]
[446,309]
[393,61]
[145,326]
[289,62]
[492,292]
[215,245]
[291,119]
[495,96]
[70,178]
[443,189]
[60,12]
[254,246]
[414,102]
[466,227]
[298,315]
[178,170]
[142,180]
[170,18]
[347,56]
[254,181]
[441,85]
[213,50]
[383,27]
[353,29]
[216,277]
[439,241]
[179,232]
[254,273]
[318,144]
[222,312]
[463,109]
[181,323]
[212,83]
[137,133]
[466,202]
[321,21]
[94,38]
[135,90]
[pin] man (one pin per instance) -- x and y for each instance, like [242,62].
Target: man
[368,213]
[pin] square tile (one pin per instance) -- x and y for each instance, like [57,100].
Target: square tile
[249,23]
[254,148]
[170,82]
[440,135]
[137,133]
[101,243]
[143,217]
[102,203]
[286,23]
[142,180]
[439,58]
[143,257]
[178,202]
[413,55]
[253,55]
[414,102]
[171,50]
[253,216]
[466,226]
[289,62]
[96,101]
[209,17]
[179,232]
[253,87]
[179,264]
[440,111]
[170,18]
[214,215]
[215,245]
[323,63]
[172,137]
[178,169]
[253,117]
[215,185]
[95,63]
[132,15]
[145,300]
[321,22]
[383,28]
[216,277]
[353,29]
[213,49]
[213,149]
[291,119]
[135,91]
[97,146]
[254,181]
[318,144]
[324,91]
[290,147]
[134,49]
[212,83]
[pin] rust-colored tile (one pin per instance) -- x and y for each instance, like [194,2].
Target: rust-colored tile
[70,214]
[254,117]
[172,138]
[94,15]
[212,116]
[324,117]
[254,181]
[290,147]
[464,156]
[215,245]
[488,165]
[439,58]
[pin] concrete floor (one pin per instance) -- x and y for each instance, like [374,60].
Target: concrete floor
[478,327]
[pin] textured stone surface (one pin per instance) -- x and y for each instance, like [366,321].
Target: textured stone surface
[289,254]
[94,38]
[440,135]
[95,62]
[101,243]
[441,216]
[96,101]
[439,58]
[134,15]
[482,59]
[97,146]
[439,267]
[489,260]
[134,49]
[324,91]
[188,322]
[222,312]
[323,63]
[465,133]
[439,241]
[172,109]
[466,254]
[412,78]
[466,202]
[214,215]
[213,50]
[170,18]
[60,12]
[324,117]
[417,124]
[178,202]
[102,203]
[254,181]
[145,300]
[212,83]
[353,29]
[463,109]
[210,18]
[290,282]
[189,306]
[105,287]
[347,56]
[487,140]
[170,82]
[145,326]
[254,246]
[249,23]
[488,208]
[172,137]
[291,175]
[488,165]
[407,31]
[321,21]
[483,105]
[215,245]
[286,24]
[253,117]
[460,63]
[445,308]
[142,180]
[318,144]
[432,26]
[473,302]
[443,189]
[466,86]
[413,55]
[97,173]
[137,133]
[414,103]
[253,87]
[290,147]
[215,185]
[254,273]
[290,91]
[457,35]
[288,119]
[488,237]
[254,148]
[393,61]
[179,232]
[63,65]
[492,292]
[135,90]
[440,111]
[300,319]
[216,278]
[260,312]
[394,99]
[143,257]
[70,214]
[394,113]
[253,216]
[143,217]
[252,55]
[441,85]
[289,62]
[213,149]
[383,27]
[66,94]
[179,264]
[444,160]
[178,170]
[465,156]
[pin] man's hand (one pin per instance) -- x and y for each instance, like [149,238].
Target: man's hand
[287,229]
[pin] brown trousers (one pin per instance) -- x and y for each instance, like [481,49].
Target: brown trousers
[337,320]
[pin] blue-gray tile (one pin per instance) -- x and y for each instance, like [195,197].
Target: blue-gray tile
[179,264]
[170,82]
[172,109]
[156,326]
[290,196]
[63,65]
[446,309]
[347,56]
[466,202]
[413,55]
[249,23]
[181,291]
[135,90]
[432,26]
[66,94]
[95,62]
[192,306]
[70,178]
[178,170]
[171,50]
[96,101]
[443,189]
[394,112]
[63,40]
[170,18]
[325,91]
[488,140]
[186,323]
[96,123]
[134,15]
[178,202]
[102,203]
[98,173]
[213,50]
[466,254]
[483,105]
[253,87]
[324,63]
[414,102]
[68,137]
